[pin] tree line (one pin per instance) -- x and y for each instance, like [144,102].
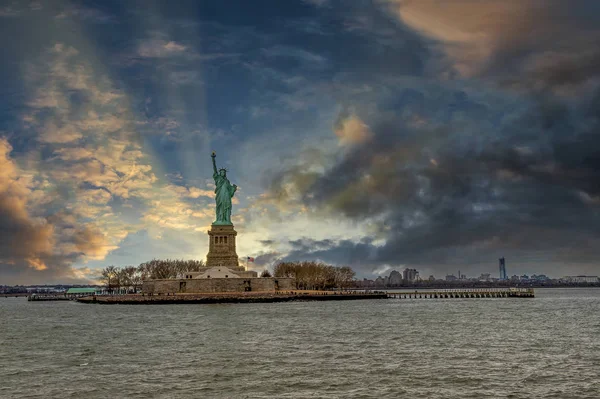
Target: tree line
[130,278]
[308,275]
[316,275]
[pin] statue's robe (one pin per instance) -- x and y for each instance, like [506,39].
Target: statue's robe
[223,193]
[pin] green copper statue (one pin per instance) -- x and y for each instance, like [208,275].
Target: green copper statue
[224,191]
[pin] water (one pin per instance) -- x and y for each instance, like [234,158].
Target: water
[547,347]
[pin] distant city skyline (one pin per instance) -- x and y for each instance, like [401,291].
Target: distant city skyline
[411,277]
[492,270]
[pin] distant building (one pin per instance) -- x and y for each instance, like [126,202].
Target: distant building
[484,277]
[581,279]
[451,277]
[410,274]
[395,278]
[540,277]
[380,282]
[44,288]
[367,283]
[431,278]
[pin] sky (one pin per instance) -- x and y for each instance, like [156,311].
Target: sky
[379,134]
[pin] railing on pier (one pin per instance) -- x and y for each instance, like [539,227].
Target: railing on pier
[465,293]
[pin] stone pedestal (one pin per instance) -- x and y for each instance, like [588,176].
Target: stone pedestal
[221,248]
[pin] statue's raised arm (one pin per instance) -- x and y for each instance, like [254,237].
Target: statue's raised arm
[213,156]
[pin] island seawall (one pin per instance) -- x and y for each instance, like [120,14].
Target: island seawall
[229,297]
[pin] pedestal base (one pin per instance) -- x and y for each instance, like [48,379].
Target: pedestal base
[221,248]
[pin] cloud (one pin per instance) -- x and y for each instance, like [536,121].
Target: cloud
[441,193]
[167,211]
[360,255]
[92,243]
[185,77]
[452,170]
[157,48]
[59,135]
[87,157]
[309,59]
[24,238]
[554,44]
[184,191]
[352,131]
[87,14]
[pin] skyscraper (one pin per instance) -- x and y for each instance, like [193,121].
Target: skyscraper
[502,267]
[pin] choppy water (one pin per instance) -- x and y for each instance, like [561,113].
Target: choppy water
[547,347]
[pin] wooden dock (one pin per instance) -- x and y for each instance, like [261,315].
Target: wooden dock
[465,293]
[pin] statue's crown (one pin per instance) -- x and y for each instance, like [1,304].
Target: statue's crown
[223,169]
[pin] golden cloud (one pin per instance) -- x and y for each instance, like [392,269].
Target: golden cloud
[24,237]
[92,243]
[471,30]
[352,130]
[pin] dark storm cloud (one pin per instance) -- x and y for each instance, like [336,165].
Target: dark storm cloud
[463,176]
[448,196]
[555,46]
[266,260]
[525,44]
[344,252]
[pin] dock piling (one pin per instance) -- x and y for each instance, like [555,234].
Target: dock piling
[465,293]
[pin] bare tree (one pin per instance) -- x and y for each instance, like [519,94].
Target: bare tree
[136,279]
[127,276]
[109,277]
[185,266]
[346,276]
[157,269]
[265,273]
[315,275]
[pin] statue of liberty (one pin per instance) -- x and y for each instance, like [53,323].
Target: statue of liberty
[224,191]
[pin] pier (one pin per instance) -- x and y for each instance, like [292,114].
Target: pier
[49,297]
[465,293]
